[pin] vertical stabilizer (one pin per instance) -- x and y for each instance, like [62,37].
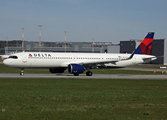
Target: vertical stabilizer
[145,46]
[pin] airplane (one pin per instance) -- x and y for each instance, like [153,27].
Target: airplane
[77,63]
[3,57]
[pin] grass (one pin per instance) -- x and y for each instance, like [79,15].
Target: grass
[81,99]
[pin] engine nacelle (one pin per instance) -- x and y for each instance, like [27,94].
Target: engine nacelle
[57,70]
[75,69]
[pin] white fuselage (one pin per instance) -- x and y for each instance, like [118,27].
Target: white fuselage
[53,60]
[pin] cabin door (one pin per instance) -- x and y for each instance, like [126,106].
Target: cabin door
[24,58]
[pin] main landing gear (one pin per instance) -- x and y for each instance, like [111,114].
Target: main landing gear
[22,72]
[88,73]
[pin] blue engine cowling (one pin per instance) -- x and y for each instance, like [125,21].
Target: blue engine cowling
[75,69]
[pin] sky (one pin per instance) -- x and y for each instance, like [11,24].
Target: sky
[104,20]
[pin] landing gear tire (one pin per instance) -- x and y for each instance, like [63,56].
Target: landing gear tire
[21,73]
[89,73]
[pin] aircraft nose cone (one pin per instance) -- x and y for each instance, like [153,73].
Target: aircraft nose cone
[6,62]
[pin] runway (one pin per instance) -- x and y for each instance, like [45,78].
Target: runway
[83,76]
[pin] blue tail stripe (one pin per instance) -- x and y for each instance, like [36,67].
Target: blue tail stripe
[138,50]
[150,35]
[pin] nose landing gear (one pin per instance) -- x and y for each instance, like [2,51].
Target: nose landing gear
[22,72]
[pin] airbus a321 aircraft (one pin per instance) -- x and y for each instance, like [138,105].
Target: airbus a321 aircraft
[77,63]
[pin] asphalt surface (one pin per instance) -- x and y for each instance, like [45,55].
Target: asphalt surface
[95,76]
[83,76]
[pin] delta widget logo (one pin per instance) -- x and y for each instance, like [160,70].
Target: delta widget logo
[29,55]
[39,55]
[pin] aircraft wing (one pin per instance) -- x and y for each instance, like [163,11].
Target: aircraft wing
[98,62]
[95,63]
[89,63]
[4,56]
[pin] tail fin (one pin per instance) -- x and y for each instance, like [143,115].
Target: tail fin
[145,46]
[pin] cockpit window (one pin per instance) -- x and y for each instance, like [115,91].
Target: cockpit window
[14,57]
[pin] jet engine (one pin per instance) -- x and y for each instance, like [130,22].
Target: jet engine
[57,70]
[75,69]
